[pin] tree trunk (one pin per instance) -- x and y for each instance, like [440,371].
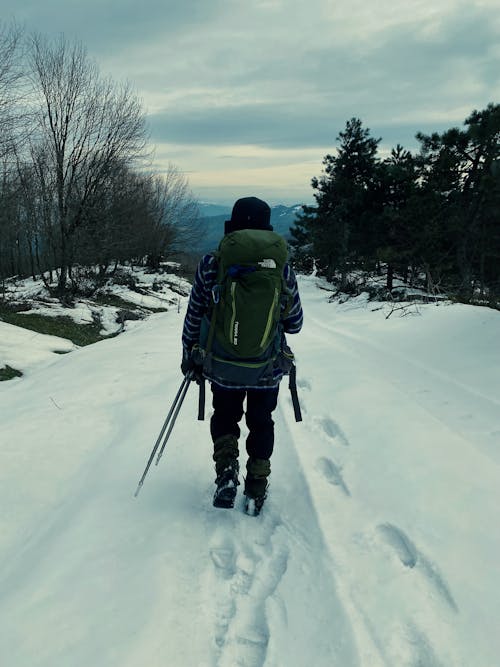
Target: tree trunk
[464,268]
[390,277]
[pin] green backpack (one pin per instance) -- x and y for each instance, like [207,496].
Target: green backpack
[243,337]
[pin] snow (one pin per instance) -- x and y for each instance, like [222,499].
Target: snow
[27,349]
[379,542]
[153,292]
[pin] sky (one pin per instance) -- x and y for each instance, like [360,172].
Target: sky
[246,98]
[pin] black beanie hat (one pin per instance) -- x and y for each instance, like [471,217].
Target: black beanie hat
[249,213]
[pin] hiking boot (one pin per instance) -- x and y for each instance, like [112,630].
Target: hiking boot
[227,469]
[227,483]
[253,506]
[256,484]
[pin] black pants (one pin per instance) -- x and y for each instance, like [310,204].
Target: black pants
[228,411]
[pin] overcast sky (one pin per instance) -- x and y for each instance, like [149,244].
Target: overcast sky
[247,97]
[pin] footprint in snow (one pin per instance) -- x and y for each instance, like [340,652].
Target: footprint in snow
[405,550]
[332,430]
[411,557]
[422,649]
[332,473]
[248,576]
[223,558]
[304,384]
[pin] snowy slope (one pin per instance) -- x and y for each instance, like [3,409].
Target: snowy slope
[379,542]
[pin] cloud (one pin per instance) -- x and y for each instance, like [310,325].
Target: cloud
[425,69]
[113,26]
[284,75]
[262,124]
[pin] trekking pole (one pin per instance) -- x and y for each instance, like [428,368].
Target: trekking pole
[189,377]
[292,385]
[182,388]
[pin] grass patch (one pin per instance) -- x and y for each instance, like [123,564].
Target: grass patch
[7,373]
[152,309]
[62,326]
[118,302]
[113,300]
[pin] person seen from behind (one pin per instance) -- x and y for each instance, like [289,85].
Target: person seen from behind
[243,301]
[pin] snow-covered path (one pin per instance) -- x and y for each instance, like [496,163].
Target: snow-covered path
[378,544]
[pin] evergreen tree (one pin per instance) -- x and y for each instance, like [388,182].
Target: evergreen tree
[302,247]
[461,188]
[341,225]
[397,222]
[436,213]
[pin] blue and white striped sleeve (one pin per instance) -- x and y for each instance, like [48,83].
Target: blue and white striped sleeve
[199,301]
[292,323]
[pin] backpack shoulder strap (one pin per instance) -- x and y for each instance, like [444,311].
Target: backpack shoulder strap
[213,315]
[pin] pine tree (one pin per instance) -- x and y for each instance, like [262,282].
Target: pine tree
[462,190]
[340,227]
[397,222]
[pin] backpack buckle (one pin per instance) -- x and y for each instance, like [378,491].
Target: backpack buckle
[216,293]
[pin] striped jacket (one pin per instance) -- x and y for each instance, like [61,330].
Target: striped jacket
[200,302]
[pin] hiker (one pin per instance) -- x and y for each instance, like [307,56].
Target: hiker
[249,284]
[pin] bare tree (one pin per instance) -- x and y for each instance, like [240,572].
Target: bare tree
[114,225]
[10,76]
[138,216]
[175,223]
[85,125]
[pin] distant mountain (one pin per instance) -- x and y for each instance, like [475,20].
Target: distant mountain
[213,217]
[209,210]
[283,217]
